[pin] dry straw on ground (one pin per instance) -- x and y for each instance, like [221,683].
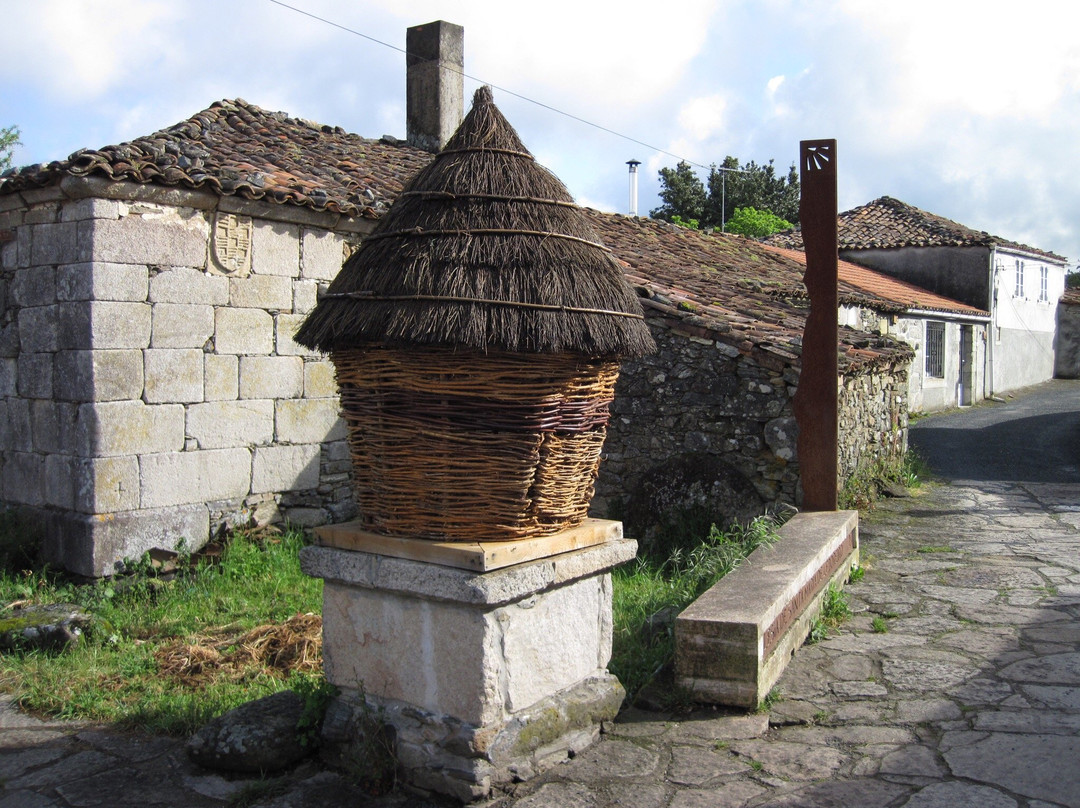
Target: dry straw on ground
[276,649]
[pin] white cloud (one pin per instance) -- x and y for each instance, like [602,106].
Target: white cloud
[992,60]
[703,118]
[594,58]
[73,49]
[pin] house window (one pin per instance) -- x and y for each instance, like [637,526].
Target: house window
[935,350]
[1044,284]
[1018,290]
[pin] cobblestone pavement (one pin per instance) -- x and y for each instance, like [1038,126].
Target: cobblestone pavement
[956,683]
[967,695]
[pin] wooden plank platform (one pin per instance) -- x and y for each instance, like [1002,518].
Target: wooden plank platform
[480,556]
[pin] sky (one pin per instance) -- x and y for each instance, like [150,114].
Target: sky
[967,110]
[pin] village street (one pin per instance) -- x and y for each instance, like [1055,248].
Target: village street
[955,683]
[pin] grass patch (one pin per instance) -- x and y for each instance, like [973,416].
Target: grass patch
[878,625]
[649,594]
[866,486]
[834,611]
[935,548]
[173,651]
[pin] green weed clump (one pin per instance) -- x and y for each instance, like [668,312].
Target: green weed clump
[179,649]
[649,594]
[863,488]
[834,611]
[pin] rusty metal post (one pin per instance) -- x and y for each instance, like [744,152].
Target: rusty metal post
[816,397]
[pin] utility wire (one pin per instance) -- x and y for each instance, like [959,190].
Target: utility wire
[541,104]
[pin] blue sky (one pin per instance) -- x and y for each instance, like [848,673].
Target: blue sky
[970,111]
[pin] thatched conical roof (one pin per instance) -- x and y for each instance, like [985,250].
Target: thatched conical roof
[484,249]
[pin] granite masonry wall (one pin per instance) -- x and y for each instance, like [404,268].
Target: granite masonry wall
[1067,346]
[150,390]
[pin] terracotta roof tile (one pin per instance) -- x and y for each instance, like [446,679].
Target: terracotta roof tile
[898,295]
[888,223]
[234,147]
[709,285]
[728,288]
[1071,297]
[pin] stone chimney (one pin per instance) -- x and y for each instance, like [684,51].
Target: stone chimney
[435,85]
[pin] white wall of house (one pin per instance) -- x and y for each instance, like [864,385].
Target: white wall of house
[937,384]
[933,385]
[1027,289]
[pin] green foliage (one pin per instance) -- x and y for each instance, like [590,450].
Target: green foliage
[115,676]
[878,625]
[729,186]
[683,193]
[689,224]
[834,611]
[772,698]
[648,595]
[755,223]
[9,139]
[863,488]
[856,575]
[1072,280]
[317,694]
[751,186]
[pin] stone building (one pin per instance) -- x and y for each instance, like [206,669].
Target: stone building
[151,392]
[706,424]
[948,337]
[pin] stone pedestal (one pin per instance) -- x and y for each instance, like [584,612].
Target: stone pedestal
[483,677]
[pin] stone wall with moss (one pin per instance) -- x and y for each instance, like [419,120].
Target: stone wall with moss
[873,418]
[698,431]
[703,433]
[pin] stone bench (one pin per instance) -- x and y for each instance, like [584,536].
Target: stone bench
[733,642]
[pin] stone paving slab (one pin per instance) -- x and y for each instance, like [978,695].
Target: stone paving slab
[969,697]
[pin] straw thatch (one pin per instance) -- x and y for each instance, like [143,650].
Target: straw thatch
[484,250]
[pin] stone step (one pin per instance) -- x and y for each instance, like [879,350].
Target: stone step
[733,642]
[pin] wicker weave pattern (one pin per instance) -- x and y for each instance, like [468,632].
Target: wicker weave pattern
[473,447]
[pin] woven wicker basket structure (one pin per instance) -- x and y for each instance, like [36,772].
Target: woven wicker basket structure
[476,336]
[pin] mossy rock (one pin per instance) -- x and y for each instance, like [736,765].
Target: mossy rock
[49,627]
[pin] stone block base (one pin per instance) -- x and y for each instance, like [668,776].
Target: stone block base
[733,642]
[98,544]
[484,676]
[442,754]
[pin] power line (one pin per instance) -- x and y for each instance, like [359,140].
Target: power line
[540,104]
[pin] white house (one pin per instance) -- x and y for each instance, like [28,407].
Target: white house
[1019,286]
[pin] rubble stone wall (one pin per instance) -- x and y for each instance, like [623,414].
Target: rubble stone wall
[730,415]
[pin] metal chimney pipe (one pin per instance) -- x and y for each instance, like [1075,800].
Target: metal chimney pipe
[633,185]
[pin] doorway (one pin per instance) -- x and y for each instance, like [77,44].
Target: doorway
[965,385]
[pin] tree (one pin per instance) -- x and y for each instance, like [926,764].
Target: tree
[9,139]
[751,185]
[756,223]
[683,193]
[729,186]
